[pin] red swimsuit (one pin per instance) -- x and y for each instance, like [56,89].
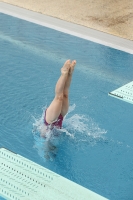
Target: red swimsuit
[57,123]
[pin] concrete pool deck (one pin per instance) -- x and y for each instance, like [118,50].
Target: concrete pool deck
[113,17]
[69,28]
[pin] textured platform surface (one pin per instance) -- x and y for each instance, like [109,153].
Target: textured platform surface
[22,179]
[124,93]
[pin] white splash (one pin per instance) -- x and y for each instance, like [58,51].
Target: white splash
[77,127]
[82,124]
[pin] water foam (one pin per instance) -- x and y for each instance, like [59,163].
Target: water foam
[76,127]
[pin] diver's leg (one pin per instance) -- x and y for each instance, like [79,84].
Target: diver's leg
[54,110]
[65,104]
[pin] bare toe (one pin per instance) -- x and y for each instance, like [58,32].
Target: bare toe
[66,67]
[72,66]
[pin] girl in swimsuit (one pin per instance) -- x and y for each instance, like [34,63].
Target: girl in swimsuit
[58,108]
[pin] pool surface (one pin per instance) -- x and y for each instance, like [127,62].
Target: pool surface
[96,145]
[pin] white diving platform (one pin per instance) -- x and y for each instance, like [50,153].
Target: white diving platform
[22,179]
[124,93]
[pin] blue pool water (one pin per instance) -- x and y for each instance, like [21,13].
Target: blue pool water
[96,145]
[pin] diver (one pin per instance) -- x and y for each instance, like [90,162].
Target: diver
[58,108]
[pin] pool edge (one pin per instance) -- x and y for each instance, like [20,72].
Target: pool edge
[69,28]
[22,170]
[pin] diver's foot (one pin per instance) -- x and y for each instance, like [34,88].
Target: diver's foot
[72,67]
[66,67]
